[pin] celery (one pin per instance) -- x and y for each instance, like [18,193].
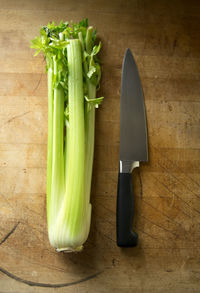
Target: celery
[73,78]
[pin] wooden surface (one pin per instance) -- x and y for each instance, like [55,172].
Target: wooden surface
[164,37]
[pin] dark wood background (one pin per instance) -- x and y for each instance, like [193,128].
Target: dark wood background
[165,39]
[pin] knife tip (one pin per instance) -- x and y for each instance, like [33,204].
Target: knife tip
[128,52]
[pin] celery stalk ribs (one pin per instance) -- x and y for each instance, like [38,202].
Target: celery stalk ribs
[74,74]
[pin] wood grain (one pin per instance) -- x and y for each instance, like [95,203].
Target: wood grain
[164,37]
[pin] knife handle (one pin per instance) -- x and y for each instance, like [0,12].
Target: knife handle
[125,212]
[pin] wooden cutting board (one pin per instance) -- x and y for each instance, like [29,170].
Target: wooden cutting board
[164,37]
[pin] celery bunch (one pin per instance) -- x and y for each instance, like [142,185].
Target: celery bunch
[73,78]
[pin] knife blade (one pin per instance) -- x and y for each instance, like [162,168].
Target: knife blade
[133,147]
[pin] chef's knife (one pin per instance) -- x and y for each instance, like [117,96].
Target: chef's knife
[133,147]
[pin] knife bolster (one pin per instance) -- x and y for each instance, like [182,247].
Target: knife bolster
[127,166]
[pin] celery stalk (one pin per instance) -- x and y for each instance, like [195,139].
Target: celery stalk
[90,133]
[50,135]
[73,78]
[73,214]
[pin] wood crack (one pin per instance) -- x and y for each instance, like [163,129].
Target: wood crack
[140,180]
[17,116]
[9,234]
[37,85]
[48,285]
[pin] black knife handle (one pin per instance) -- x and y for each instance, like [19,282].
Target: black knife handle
[125,212]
